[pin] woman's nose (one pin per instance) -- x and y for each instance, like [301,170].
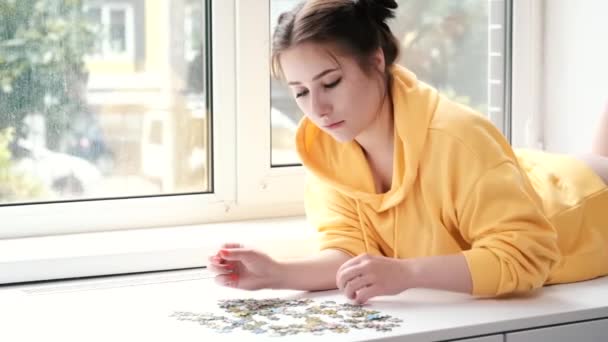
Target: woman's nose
[320,107]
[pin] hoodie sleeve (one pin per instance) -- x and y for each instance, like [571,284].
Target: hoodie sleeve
[336,219]
[513,244]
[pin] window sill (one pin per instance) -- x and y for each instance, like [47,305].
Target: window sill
[144,250]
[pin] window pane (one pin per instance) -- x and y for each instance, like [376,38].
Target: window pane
[75,124]
[284,113]
[94,19]
[445,42]
[118,32]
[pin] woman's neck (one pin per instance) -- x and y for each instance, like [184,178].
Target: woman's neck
[378,139]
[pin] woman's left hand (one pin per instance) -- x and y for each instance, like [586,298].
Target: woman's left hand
[367,276]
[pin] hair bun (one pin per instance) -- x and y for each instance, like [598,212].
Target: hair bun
[379,10]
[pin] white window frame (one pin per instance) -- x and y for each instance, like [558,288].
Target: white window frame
[245,184]
[496,110]
[256,191]
[527,96]
[258,180]
[89,238]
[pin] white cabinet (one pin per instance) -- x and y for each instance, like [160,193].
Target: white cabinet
[593,331]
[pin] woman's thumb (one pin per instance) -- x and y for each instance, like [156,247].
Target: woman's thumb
[235,254]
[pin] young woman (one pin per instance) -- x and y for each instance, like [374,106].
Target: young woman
[408,189]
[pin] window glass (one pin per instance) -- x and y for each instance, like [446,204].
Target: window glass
[77,123]
[118,32]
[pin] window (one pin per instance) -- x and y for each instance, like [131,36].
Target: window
[459,47]
[113,25]
[108,135]
[189,128]
[141,139]
[90,134]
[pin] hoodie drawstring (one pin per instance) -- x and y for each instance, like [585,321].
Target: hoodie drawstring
[364,230]
[395,232]
[362,226]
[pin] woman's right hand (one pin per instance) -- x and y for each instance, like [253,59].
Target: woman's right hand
[244,268]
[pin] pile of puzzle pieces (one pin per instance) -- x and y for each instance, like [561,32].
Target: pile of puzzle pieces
[264,316]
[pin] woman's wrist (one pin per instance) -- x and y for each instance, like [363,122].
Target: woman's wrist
[448,272]
[315,273]
[409,274]
[279,277]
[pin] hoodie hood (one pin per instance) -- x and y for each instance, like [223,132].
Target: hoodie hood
[343,166]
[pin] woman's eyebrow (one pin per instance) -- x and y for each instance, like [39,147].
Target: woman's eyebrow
[321,74]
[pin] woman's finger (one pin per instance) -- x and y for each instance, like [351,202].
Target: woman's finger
[221,269]
[353,261]
[232,245]
[222,263]
[356,284]
[348,274]
[367,293]
[228,280]
[216,259]
[238,254]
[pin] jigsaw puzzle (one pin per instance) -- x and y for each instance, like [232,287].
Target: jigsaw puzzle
[281,317]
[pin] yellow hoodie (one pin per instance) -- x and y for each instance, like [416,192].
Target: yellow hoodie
[521,220]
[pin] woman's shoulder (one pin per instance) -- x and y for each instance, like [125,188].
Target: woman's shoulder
[456,126]
[453,117]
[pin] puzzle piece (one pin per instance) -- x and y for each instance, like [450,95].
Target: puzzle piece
[261,316]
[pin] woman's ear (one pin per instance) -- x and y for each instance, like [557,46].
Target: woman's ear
[378,60]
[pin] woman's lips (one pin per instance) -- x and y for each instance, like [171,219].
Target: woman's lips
[335,125]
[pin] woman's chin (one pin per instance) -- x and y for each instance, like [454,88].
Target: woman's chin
[341,138]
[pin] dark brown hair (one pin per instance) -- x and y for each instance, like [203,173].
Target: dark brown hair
[357,27]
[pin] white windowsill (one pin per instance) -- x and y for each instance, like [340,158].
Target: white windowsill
[121,252]
[141,308]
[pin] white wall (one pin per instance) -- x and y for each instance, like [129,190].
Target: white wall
[575,72]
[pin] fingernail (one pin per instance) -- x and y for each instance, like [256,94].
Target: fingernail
[230,267]
[234,277]
[224,252]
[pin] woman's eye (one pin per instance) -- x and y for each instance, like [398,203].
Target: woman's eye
[302,93]
[334,83]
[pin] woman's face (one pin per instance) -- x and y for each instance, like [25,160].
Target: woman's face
[333,92]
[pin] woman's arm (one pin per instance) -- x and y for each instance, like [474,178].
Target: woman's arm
[446,272]
[368,276]
[250,269]
[312,274]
